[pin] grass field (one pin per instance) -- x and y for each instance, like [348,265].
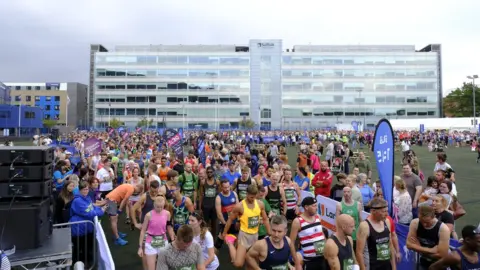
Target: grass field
[461,159]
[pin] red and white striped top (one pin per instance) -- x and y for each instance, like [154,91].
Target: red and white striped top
[312,239]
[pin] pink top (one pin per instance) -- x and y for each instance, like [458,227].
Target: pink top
[315,162]
[157,225]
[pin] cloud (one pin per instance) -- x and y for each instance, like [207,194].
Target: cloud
[49,40]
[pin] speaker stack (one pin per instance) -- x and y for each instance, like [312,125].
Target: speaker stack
[26,174]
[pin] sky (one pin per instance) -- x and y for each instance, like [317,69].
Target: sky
[49,40]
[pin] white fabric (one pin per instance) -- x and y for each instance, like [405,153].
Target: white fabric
[205,245]
[149,250]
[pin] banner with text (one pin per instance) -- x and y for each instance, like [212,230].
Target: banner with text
[201,149]
[174,141]
[92,146]
[383,150]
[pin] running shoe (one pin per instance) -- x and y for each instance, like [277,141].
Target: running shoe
[230,238]
[122,235]
[120,242]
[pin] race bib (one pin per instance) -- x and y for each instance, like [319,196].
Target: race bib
[158,241]
[179,219]
[276,211]
[319,246]
[348,264]
[188,193]
[210,193]
[280,267]
[290,195]
[253,222]
[383,251]
[242,194]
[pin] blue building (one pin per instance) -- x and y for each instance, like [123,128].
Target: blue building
[28,119]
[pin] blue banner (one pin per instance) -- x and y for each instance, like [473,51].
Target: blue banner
[355,126]
[409,257]
[180,131]
[422,128]
[383,150]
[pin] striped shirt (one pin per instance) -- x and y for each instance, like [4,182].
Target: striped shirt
[312,239]
[290,195]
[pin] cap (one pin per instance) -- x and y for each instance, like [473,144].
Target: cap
[470,231]
[308,201]
[231,163]
[68,153]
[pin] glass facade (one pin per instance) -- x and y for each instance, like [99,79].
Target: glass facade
[278,88]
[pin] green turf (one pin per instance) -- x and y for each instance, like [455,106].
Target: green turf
[461,159]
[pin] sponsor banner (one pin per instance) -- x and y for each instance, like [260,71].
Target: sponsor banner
[201,149]
[327,209]
[105,260]
[383,149]
[174,141]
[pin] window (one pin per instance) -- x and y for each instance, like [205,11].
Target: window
[48,98]
[29,115]
[57,117]
[5,114]
[28,98]
[266,113]
[29,88]
[18,98]
[48,87]
[48,107]
[47,116]
[265,125]
[57,98]
[56,107]
[18,87]
[37,87]
[37,98]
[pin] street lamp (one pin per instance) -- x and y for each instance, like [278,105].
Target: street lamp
[473,77]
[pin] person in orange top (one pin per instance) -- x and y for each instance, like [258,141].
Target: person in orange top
[120,196]
[163,169]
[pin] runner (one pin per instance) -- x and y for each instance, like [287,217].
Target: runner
[352,208]
[467,256]
[163,169]
[208,194]
[291,189]
[374,250]
[273,252]
[339,248]
[224,204]
[248,212]
[145,204]
[203,237]
[183,253]
[182,205]
[240,185]
[428,236]
[120,196]
[154,232]
[188,182]
[308,228]
[262,230]
[276,196]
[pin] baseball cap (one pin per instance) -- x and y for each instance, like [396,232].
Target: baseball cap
[308,201]
[231,163]
[470,231]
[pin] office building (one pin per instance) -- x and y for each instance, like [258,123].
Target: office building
[302,87]
[58,101]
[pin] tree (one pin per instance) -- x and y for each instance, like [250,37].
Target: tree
[49,123]
[145,122]
[247,124]
[459,103]
[115,123]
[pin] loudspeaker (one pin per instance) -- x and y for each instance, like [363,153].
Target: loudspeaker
[25,189]
[28,224]
[26,173]
[27,155]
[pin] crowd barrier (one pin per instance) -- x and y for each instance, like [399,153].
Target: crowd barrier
[327,212]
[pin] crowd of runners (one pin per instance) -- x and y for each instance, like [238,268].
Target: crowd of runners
[245,199]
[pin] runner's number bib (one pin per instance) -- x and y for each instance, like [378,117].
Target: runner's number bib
[319,246]
[253,222]
[191,267]
[383,251]
[158,241]
[210,193]
[280,267]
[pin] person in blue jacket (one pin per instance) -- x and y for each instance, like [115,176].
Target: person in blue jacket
[83,209]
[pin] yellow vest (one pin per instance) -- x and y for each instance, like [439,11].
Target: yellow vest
[250,220]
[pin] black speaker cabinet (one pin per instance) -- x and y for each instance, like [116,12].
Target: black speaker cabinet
[26,173]
[28,224]
[25,189]
[27,155]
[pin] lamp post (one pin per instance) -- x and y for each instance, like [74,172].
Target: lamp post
[473,77]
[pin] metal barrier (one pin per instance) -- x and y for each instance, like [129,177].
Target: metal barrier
[84,247]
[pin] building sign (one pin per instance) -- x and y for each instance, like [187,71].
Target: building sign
[266,45]
[53,85]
